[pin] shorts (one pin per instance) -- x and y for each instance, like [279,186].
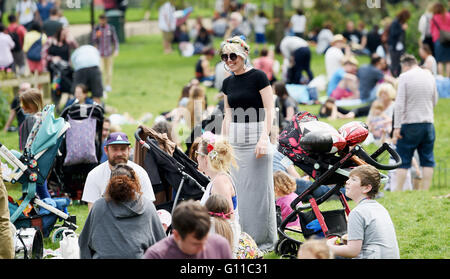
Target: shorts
[442,53]
[168,36]
[418,136]
[260,38]
[92,78]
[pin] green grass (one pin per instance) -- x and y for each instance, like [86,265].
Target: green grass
[145,80]
[83,15]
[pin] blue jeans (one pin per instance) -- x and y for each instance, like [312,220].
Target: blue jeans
[302,185]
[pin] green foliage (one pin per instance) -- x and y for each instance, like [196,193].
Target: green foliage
[4,108]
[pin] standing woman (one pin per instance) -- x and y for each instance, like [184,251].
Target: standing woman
[248,106]
[397,40]
[441,21]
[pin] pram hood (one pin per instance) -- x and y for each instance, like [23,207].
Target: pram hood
[42,145]
[46,131]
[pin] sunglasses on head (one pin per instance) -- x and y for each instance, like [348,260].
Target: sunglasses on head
[232,56]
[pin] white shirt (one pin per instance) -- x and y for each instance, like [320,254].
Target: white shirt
[6,44]
[166,19]
[291,43]
[333,60]
[324,39]
[98,178]
[260,24]
[26,11]
[298,23]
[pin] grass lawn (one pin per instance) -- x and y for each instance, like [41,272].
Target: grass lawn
[83,15]
[145,80]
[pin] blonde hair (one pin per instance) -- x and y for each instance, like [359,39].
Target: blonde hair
[218,208]
[283,183]
[32,99]
[315,249]
[387,88]
[196,95]
[223,157]
[237,45]
[377,105]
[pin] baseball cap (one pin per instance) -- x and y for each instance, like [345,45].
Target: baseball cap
[117,138]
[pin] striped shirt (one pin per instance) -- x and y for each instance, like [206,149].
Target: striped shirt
[416,97]
[104,38]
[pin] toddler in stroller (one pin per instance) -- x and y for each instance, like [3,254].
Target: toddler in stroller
[327,155]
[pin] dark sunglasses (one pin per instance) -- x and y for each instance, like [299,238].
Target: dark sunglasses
[232,56]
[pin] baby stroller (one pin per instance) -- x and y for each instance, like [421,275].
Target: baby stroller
[175,175]
[327,155]
[32,168]
[70,179]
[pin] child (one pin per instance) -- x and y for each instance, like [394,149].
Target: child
[242,244]
[314,249]
[371,233]
[429,62]
[379,123]
[32,104]
[80,96]
[285,187]
[260,23]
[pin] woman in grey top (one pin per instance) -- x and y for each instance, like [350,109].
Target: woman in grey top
[123,223]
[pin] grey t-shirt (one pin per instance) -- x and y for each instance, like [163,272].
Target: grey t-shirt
[370,222]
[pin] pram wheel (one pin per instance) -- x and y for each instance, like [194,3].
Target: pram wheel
[287,247]
[57,235]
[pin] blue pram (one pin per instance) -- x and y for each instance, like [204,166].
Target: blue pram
[32,168]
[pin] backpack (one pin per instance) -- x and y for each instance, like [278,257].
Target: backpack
[34,53]
[15,37]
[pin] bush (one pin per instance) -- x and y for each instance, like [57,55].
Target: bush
[4,109]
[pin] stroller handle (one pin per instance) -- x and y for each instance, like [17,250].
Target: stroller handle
[138,138]
[372,159]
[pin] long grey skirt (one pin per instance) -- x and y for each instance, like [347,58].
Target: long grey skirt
[254,185]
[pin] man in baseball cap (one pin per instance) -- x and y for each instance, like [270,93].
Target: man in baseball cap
[117,149]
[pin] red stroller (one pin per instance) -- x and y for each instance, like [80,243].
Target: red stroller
[327,155]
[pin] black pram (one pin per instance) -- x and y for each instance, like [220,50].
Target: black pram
[169,173]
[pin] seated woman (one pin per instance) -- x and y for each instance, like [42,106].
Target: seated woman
[289,106]
[203,71]
[344,82]
[121,214]
[80,96]
[202,41]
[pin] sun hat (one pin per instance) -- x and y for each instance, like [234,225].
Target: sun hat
[337,38]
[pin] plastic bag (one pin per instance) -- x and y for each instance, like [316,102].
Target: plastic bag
[69,245]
